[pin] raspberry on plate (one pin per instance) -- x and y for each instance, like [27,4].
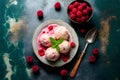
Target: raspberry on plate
[35,69]
[95,51]
[29,59]
[72,44]
[63,72]
[92,59]
[41,52]
[40,13]
[57,6]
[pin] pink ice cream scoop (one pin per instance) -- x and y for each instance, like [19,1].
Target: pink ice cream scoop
[45,40]
[52,54]
[64,47]
[61,32]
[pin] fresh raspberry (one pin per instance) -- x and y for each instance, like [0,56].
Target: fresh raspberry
[89,9]
[74,10]
[40,13]
[84,5]
[95,51]
[86,17]
[70,7]
[78,19]
[29,59]
[50,27]
[92,59]
[85,12]
[35,69]
[76,4]
[57,6]
[79,13]
[82,19]
[65,58]
[41,52]
[80,8]
[73,16]
[63,72]
[72,44]
[71,13]
[82,30]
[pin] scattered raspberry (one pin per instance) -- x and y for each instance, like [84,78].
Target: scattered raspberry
[41,52]
[70,7]
[85,12]
[50,27]
[40,13]
[74,10]
[79,13]
[35,69]
[72,16]
[29,59]
[95,51]
[65,57]
[92,59]
[89,9]
[83,19]
[57,6]
[84,5]
[76,4]
[72,44]
[80,8]
[63,72]
[82,30]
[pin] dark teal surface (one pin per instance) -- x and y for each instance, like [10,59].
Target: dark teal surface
[16,43]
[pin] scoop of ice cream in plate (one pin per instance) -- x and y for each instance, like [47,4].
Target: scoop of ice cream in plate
[52,54]
[64,47]
[61,32]
[45,40]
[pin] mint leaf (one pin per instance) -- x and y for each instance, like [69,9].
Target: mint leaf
[52,40]
[60,41]
[57,48]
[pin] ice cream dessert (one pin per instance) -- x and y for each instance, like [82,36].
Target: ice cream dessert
[64,47]
[61,32]
[55,42]
[45,40]
[52,54]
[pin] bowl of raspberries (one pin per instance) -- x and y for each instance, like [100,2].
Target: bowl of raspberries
[80,11]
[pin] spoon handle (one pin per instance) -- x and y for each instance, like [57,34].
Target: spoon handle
[75,68]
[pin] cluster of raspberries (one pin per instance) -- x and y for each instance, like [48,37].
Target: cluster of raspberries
[79,11]
[93,57]
[57,7]
[36,69]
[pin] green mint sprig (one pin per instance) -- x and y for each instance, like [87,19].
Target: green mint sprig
[55,43]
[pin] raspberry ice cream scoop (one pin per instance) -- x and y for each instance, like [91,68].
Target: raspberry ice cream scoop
[45,40]
[64,47]
[52,54]
[61,32]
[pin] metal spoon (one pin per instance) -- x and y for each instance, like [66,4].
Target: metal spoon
[89,38]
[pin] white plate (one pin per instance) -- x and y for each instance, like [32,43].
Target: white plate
[74,38]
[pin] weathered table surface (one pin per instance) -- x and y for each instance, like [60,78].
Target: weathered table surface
[18,22]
